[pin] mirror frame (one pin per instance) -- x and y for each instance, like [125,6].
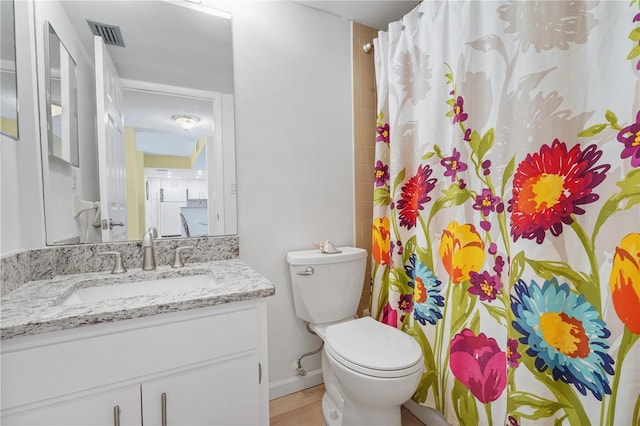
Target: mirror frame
[5,132]
[70,119]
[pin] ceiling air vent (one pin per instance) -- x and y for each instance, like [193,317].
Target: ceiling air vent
[110,33]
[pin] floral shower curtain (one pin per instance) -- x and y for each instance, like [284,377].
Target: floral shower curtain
[506,235]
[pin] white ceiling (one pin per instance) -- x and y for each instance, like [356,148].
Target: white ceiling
[377,13]
[168,43]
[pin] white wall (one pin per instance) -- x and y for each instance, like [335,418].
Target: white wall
[21,219]
[59,177]
[294,145]
[292,68]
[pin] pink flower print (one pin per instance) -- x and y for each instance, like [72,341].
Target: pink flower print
[453,165]
[389,316]
[383,133]
[630,137]
[458,112]
[381,173]
[486,202]
[479,364]
[484,285]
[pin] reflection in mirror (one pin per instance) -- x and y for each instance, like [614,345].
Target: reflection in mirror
[176,61]
[172,147]
[8,78]
[62,101]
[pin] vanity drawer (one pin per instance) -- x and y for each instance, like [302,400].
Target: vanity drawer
[123,352]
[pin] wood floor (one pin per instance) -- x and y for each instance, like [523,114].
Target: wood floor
[304,408]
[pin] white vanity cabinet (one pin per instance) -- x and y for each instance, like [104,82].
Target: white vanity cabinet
[205,366]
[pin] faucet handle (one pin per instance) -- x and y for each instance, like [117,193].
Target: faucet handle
[118,265]
[177,261]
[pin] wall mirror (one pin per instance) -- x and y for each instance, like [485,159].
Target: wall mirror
[62,100]
[8,76]
[174,63]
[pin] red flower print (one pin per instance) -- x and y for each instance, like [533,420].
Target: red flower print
[479,364]
[383,133]
[551,185]
[414,194]
[630,137]
[458,111]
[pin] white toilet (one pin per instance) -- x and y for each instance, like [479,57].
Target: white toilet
[369,368]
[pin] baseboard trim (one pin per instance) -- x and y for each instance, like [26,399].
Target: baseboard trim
[295,384]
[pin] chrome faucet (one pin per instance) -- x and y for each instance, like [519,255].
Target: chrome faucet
[148,258]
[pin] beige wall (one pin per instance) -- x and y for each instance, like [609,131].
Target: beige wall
[364,109]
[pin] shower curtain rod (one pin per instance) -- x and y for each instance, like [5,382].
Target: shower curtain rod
[367,47]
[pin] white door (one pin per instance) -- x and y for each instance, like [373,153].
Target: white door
[111,156]
[225,393]
[94,409]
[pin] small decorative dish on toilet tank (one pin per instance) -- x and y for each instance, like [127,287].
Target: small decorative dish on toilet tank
[327,247]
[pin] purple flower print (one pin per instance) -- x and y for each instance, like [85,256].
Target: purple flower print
[405,305]
[486,202]
[453,165]
[383,133]
[484,285]
[630,137]
[458,111]
[381,173]
[493,248]
[512,353]
[486,164]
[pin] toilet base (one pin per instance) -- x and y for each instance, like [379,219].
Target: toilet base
[332,415]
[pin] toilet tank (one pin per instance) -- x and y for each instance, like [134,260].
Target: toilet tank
[327,287]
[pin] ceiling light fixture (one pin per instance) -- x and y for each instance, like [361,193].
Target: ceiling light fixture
[185,121]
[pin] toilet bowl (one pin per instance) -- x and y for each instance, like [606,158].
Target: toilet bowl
[369,368]
[374,368]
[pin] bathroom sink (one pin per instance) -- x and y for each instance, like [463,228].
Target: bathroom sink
[164,286]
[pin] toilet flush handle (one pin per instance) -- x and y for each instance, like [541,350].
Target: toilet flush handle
[308,271]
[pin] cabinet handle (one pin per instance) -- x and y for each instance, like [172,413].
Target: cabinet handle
[163,399]
[259,373]
[116,415]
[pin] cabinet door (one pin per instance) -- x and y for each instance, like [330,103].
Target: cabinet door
[94,409]
[225,393]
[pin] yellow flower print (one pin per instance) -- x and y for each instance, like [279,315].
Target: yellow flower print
[381,240]
[461,250]
[625,282]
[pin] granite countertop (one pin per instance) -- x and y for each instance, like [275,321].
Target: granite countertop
[36,307]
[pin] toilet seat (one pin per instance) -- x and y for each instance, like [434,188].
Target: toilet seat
[372,348]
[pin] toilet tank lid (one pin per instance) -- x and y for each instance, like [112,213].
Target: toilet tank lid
[315,257]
